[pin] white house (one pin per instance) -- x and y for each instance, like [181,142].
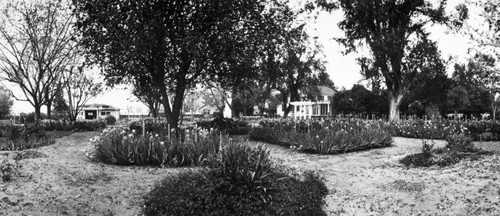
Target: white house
[321,107]
[98,111]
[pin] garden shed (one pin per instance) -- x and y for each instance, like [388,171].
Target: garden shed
[98,111]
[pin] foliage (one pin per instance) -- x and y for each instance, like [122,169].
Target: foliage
[241,164]
[460,143]
[27,137]
[385,27]
[110,120]
[228,125]
[360,101]
[63,125]
[152,127]
[184,44]
[5,106]
[326,138]
[29,118]
[205,193]
[37,45]
[124,147]
[80,88]
[458,147]
[7,170]
[423,129]
[440,129]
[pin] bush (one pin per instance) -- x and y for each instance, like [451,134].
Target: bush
[95,125]
[110,120]
[152,127]
[123,147]
[27,137]
[222,124]
[458,147]
[29,118]
[206,192]
[63,125]
[7,170]
[460,143]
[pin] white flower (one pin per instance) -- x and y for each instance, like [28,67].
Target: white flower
[162,143]
[133,131]
[157,135]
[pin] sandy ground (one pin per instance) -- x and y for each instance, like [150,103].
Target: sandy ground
[60,180]
[374,183]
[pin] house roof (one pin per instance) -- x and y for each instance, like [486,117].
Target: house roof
[323,90]
[100,106]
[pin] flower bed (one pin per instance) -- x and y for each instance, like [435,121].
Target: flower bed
[478,129]
[324,137]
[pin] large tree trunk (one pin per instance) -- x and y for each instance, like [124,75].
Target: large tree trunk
[395,100]
[49,109]
[38,108]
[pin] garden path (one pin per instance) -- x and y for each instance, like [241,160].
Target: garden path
[374,183]
[60,180]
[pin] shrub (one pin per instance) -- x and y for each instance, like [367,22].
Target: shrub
[29,118]
[7,170]
[458,147]
[460,143]
[423,159]
[88,125]
[203,193]
[124,147]
[152,127]
[27,137]
[110,120]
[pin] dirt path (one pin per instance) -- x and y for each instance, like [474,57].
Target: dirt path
[374,183]
[60,180]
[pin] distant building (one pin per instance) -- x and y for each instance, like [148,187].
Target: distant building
[320,107]
[98,111]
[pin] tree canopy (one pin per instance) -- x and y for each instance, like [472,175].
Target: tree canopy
[394,33]
[174,45]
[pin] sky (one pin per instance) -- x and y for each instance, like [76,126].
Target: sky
[343,69]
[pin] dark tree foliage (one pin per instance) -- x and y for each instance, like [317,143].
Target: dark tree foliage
[394,32]
[359,100]
[173,45]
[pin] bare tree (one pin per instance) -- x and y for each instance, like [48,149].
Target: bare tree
[80,88]
[36,46]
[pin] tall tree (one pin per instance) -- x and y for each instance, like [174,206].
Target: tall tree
[35,47]
[393,30]
[176,44]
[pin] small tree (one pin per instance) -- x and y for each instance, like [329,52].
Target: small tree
[60,106]
[458,98]
[5,106]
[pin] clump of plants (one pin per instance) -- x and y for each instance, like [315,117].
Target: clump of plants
[458,147]
[63,125]
[226,125]
[130,147]
[7,170]
[239,181]
[27,137]
[110,120]
[325,138]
